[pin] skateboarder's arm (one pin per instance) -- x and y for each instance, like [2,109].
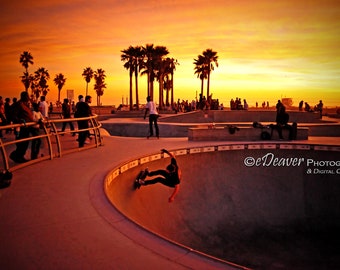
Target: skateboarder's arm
[172,197]
[146,111]
[167,152]
[176,189]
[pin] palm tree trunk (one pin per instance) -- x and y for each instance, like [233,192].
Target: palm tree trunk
[136,86]
[130,92]
[172,89]
[208,84]
[148,85]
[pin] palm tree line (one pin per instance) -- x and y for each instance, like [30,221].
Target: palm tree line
[152,61]
[37,81]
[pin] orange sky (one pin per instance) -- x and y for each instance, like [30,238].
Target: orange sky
[266,49]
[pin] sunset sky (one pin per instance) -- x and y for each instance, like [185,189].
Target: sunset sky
[266,49]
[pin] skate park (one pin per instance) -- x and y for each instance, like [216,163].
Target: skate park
[81,212]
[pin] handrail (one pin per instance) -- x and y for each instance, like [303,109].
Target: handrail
[54,143]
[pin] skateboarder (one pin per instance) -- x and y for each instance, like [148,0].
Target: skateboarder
[153,116]
[170,177]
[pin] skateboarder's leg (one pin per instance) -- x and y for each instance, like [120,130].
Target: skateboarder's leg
[150,126]
[163,173]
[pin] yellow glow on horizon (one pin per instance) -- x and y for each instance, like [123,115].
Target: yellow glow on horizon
[266,49]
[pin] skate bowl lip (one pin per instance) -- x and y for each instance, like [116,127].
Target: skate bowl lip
[125,166]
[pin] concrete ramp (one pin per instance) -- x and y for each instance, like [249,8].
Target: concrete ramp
[260,208]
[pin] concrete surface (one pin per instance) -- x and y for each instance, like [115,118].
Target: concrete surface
[55,215]
[270,216]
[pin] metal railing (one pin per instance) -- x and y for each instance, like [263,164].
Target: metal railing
[54,142]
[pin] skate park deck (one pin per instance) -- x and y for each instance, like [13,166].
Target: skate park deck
[55,215]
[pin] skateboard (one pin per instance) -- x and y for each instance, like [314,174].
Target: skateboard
[141,176]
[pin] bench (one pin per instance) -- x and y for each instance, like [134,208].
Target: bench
[240,134]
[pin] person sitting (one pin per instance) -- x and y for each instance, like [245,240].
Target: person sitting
[282,119]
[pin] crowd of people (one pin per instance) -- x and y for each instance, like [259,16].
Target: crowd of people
[202,103]
[237,104]
[28,109]
[317,108]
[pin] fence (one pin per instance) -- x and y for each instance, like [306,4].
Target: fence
[54,142]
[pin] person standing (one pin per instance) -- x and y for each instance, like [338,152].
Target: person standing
[36,143]
[153,116]
[21,113]
[43,107]
[66,112]
[320,108]
[83,110]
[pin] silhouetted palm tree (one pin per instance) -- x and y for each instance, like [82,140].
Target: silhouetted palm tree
[161,66]
[172,67]
[59,80]
[39,86]
[133,57]
[201,70]
[88,75]
[148,67]
[100,84]
[26,59]
[27,80]
[210,57]
[139,57]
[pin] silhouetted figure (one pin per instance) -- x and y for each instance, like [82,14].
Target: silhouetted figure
[21,114]
[307,107]
[83,110]
[282,119]
[320,107]
[170,177]
[66,112]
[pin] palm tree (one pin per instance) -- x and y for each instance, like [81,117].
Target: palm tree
[39,86]
[129,57]
[160,69]
[210,57]
[139,57]
[25,59]
[100,84]
[27,80]
[172,67]
[88,75]
[147,67]
[201,71]
[59,80]
[168,77]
